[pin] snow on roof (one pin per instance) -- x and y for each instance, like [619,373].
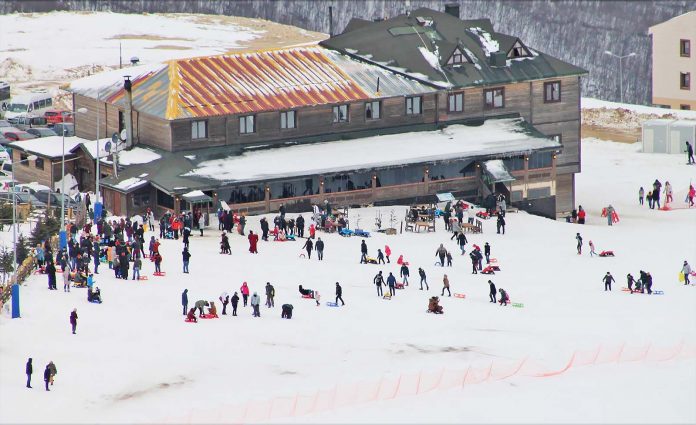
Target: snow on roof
[591,103]
[107,83]
[49,147]
[194,193]
[130,184]
[137,155]
[497,169]
[495,136]
[430,57]
[487,43]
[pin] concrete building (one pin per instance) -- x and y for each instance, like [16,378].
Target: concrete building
[674,62]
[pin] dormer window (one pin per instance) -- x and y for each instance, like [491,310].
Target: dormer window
[457,58]
[519,51]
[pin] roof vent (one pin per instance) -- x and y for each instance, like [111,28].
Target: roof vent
[452,9]
[498,59]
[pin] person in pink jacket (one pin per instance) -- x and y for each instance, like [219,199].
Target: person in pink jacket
[245,293]
[387,252]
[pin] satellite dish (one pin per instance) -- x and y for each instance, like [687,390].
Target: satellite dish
[114,138]
[107,147]
[124,135]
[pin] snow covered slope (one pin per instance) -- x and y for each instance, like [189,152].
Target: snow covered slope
[135,360]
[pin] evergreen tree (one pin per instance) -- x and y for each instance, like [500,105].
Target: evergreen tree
[6,263]
[44,229]
[22,248]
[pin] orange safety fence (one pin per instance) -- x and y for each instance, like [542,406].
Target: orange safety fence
[415,383]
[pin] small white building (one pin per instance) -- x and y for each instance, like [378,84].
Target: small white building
[668,136]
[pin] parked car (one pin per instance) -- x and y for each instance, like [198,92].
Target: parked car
[55,116]
[15,134]
[55,199]
[41,132]
[22,198]
[5,157]
[5,123]
[4,140]
[68,126]
[24,122]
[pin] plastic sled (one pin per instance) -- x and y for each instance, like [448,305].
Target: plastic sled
[362,233]
[487,270]
[142,278]
[159,273]
[606,254]
[456,295]
[482,214]
[371,260]
[437,263]
[346,232]
[95,301]
[303,256]
[290,237]
[399,286]
[386,297]
[308,297]
[189,320]
[41,270]
[493,260]
[658,292]
[209,316]
[331,304]
[518,305]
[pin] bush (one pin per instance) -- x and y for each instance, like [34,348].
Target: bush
[22,248]
[44,229]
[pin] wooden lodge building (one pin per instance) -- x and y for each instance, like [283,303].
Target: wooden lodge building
[386,112]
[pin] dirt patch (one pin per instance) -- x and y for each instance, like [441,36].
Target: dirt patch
[146,37]
[613,134]
[619,125]
[151,390]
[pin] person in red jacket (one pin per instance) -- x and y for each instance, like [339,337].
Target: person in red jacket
[253,240]
[387,252]
[581,215]
[245,293]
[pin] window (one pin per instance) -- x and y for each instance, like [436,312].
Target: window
[372,110]
[42,103]
[49,102]
[121,121]
[246,124]
[538,192]
[39,163]
[494,98]
[518,51]
[457,57]
[685,107]
[340,113]
[540,160]
[36,105]
[514,164]
[287,119]
[685,80]
[685,48]
[199,130]
[456,102]
[413,105]
[24,157]
[552,92]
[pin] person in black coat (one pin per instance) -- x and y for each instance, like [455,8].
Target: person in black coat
[264,229]
[608,279]
[184,300]
[404,273]
[339,294]
[235,301]
[363,252]
[309,245]
[423,280]
[379,280]
[630,281]
[186,233]
[51,271]
[73,320]
[300,226]
[186,256]
[492,293]
[501,223]
[487,252]
[47,376]
[30,370]
[319,246]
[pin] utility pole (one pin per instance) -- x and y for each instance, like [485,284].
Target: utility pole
[621,58]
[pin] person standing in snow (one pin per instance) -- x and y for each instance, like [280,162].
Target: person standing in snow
[504,297]
[581,215]
[579,239]
[47,376]
[449,259]
[610,215]
[445,285]
[500,224]
[29,371]
[245,293]
[668,193]
[363,252]
[686,271]
[137,265]
[309,245]
[689,153]
[608,279]
[380,257]
[592,251]
[319,246]
[404,273]
[66,279]
[224,299]
[264,229]
[235,302]
[630,281]
[255,301]
[339,294]
[487,252]
[73,320]
[641,195]
[391,281]
[184,300]
[253,241]
[378,281]
[657,187]
[51,272]
[270,294]
[423,279]
[441,252]
[387,252]
[300,226]
[186,256]
[492,292]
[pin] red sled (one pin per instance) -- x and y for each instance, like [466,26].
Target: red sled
[459,295]
[606,254]
[187,320]
[209,316]
[490,270]
[41,270]
[159,274]
[308,296]
[142,277]
[399,286]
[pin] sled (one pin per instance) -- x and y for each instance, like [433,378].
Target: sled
[95,301]
[518,305]
[658,292]
[386,297]
[41,270]
[142,278]
[209,316]
[399,285]
[346,232]
[189,320]
[370,260]
[434,312]
[487,270]
[303,256]
[493,260]
[482,214]
[437,263]
[159,274]
[331,304]
[362,233]
[606,254]
[456,295]
[308,296]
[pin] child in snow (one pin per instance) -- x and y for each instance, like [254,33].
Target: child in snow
[504,298]
[434,306]
[592,251]
[579,239]
[191,316]
[641,195]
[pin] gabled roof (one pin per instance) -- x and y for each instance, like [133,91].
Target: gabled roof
[50,147]
[415,44]
[247,83]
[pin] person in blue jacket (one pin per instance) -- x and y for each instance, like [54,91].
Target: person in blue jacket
[391,281]
[184,300]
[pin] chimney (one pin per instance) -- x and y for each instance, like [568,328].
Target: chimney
[452,9]
[128,87]
[498,59]
[330,21]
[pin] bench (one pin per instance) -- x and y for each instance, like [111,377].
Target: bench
[427,225]
[471,228]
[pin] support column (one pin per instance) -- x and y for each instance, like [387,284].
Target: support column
[321,185]
[526,177]
[177,205]
[426,181]
[267,197]
[479,182]
[553,175]
[374,187]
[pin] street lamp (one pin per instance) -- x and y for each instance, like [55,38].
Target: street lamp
[621,58]
[63,236]
[14,213]
[97,201]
